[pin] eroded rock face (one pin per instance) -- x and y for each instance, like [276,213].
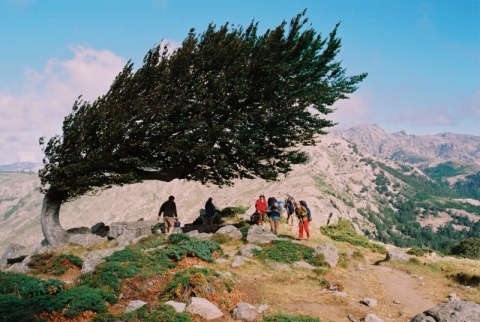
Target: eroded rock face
[458,311]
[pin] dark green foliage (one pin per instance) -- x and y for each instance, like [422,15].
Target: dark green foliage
[472,280]
[285,252]
[12,282]
[289,318]
[182,245]
[108,276]
[194,282]
[22,297]
[445,170]
[202,112]
[232,211]
[470,187]
[468,248]
[419,251]
[161,313]
[244,230]
[82,298]
[344,232]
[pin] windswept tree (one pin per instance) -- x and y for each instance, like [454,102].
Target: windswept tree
[228,103]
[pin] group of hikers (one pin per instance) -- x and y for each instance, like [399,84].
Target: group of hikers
[170,216]
[270,209]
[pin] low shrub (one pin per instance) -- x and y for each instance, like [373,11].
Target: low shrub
[197,282]
[286,252]
[419,251]
[220,238]
[468,248]
[472,280]
[161,313]
[232,211]
[49,263]
[23,297]
[289,318]
[344,232]
[414,261]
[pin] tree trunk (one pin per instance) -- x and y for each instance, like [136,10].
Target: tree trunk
[50,221]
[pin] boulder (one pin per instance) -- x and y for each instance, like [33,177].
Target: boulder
[86,240]
[179,307]
[15,253]
[256,234]
[456,311]
[230,231]
[133,305]
[204,308]
[78,230]
[197,234]
[330,252]
[369,302]
[245,312]
[100,229]
[247,250]
[92,259]
[134,228]
[372,318]
[397,255]
[303,265]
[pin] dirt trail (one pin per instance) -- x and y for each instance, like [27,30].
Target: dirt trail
[404,294]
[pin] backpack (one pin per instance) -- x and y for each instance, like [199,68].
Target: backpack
[309,213]
[254,218]
[288,205]
[271,201]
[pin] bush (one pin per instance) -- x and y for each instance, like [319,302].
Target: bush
[344,232]
[161,313]
[285,252]
[289,318]
[414,261]
[197,282]
[472,280]
[419,251]
[468,248]
[232,211]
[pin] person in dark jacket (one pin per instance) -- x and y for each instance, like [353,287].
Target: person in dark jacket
[169,211]
[209,212]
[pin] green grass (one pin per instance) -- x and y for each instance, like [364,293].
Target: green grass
[344,232]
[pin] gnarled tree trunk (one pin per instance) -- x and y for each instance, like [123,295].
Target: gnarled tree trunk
[50,221]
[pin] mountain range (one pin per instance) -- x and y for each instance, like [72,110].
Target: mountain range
[392,186]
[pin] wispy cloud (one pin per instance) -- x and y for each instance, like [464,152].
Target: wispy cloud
[47,96]
[353,111]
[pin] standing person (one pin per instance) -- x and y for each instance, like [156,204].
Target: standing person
[290,206]
[261,208]
[169,211]
[209,212]
[273,212]
[302,216]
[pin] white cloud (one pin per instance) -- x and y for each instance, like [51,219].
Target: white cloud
[47,96]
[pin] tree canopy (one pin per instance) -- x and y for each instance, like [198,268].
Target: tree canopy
[228,103]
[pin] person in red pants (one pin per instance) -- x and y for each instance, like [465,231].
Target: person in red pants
[301,213]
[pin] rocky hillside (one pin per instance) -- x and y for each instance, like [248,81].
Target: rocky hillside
[341,178]
[411,148]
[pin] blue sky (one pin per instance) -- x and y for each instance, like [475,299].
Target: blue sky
[423,57]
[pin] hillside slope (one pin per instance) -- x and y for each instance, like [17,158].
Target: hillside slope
[340,179]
